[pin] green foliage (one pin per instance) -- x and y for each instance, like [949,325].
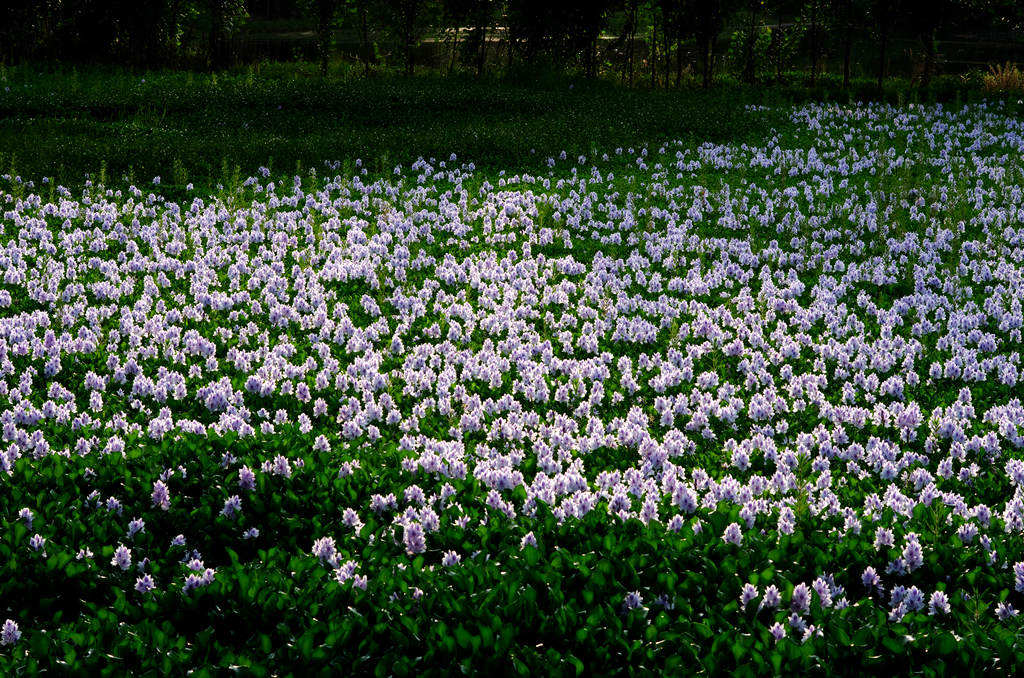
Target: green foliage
[183,127]
[557,609]
[755,48]
[153,33]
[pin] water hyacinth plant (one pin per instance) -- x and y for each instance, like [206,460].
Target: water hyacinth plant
[735,407]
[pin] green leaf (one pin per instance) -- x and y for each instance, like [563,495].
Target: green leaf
[462,636]
[894,645]
[946,643]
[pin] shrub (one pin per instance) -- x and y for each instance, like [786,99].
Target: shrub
[1003,78]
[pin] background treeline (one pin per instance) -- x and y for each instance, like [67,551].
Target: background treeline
[656,42]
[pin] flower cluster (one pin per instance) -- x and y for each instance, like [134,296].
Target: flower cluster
[772,339]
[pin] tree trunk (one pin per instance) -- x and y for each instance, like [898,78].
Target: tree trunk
[749,67]
[631,46]
[666,49]
[170,43]
[654,52]
[882,56]
[847,44]
[778,36]
[928,68]
[707,52]
[510,42]
[592,58]
[481,54]
[325,28]
[679,62]
[814,42]
[454,50]
[217,55]
[364,39]
[408,29]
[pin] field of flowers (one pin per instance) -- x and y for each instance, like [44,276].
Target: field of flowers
[733,409]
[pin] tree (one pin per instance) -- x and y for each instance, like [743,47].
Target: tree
[561,32]
[479,15]
[326,14]
[843,15]
[226,17]
[708,18]
[362,9]
[408,22]
[882,13]
[676,31]
[482,17]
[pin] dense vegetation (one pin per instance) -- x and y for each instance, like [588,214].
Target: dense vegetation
[662,42]
[537,373]
[736,407]
[208,129]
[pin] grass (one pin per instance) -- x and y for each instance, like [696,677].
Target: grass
[187,127]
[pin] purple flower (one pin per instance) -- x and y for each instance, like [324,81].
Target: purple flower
[192,582]
[528,540]
[1004,611]
[26,515]
[325,549]
[748,593]
[883,537]
[633,600]
[801,598]
[136,526]
[350,518]
[380,503]
[450,558]
[732,534]
[178,541]
[246,478]
[122,557]
[161,496]
[870,579]
[145,584]
[232,506]
[413,538]
[772,598]
[281,466]
[913,555]
[345,571]
[938,603]
[37,542]
[1018,576]
[914,599]
[967,532]
[778,631]
[824,591]
[10,634]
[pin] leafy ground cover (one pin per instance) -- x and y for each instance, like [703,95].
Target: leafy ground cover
[206,129]
[213,128]
[735,408]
